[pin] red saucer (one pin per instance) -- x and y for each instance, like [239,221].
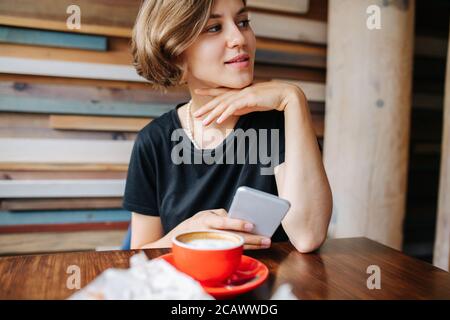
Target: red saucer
[251,274]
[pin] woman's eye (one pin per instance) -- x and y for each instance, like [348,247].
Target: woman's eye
[213,29]
[246,23]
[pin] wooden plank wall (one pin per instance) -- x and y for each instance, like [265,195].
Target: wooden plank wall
[71,105]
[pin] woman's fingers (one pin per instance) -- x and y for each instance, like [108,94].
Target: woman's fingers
[216,221]
[255,240]
[253,247]
[211,105]
[226,107]
[211,91]
[232,103]
[231,109]
[217,111]
[221,212]
[229,106]
[206,108]
[229,101]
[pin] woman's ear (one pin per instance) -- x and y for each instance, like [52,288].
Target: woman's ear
[183,79]
[184,70]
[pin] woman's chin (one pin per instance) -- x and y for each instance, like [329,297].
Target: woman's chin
[239,83]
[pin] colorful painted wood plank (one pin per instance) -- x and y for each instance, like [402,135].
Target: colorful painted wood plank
[59,241]
[52,38]
[80,107]
[98,123]
[60,175]
[60,204]
[52,167]
[67,216]
[63,227]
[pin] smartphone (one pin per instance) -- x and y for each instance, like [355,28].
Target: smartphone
[264,210]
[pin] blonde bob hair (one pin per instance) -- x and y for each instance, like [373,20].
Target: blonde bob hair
[162,31]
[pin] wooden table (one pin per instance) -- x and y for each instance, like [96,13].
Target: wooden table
[337,271]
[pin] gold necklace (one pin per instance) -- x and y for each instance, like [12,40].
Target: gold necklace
[190,132]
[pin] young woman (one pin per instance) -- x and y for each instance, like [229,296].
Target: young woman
[210,46]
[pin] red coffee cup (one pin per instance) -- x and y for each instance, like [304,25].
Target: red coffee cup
[209,256]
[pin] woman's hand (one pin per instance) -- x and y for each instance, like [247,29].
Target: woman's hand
[218,219]
[263,96]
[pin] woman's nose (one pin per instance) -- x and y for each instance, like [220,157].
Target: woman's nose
[235,37]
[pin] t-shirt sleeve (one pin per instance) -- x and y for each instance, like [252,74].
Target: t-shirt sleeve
[140,194]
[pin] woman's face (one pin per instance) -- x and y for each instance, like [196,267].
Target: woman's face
[226,35]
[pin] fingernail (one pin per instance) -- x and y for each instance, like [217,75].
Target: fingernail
[248,226]
[219,120]
[205,121]
[265,242]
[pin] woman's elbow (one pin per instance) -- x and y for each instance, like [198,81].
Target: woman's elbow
[308,244]
[135,246]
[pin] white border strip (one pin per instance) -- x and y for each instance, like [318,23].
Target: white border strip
[314,91]
[278,26]
[297,6]
[26,150]
[62,188]
[58,68]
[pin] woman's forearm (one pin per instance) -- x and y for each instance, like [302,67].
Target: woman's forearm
[164,242]
[305,183]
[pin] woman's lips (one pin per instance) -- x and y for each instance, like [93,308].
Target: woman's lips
[239,64]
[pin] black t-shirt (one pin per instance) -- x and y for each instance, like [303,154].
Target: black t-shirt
[165,177]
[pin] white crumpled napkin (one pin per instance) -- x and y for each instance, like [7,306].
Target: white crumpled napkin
[284,292]
[145,279]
